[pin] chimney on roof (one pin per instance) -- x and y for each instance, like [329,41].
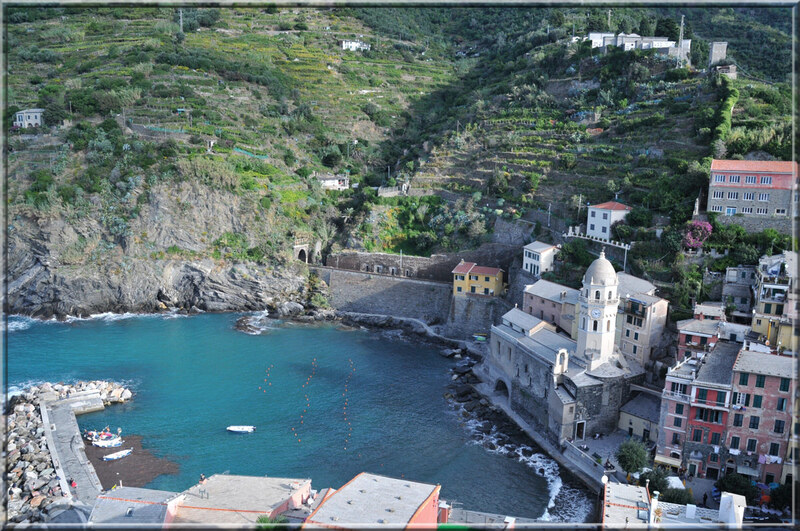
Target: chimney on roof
[653,506]
[563,295]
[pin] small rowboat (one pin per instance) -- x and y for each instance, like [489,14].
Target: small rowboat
[108,443]
[241,429]
[117,455]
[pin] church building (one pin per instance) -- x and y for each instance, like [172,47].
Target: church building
[571,389]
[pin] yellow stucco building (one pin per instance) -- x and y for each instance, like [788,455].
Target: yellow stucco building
[468,277]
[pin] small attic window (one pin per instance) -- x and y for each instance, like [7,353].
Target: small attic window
[129,511]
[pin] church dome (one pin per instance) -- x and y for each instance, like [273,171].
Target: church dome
[600,272]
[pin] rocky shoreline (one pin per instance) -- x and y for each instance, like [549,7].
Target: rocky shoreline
[33,491]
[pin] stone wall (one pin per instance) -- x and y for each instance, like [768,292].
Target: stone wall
[437,267]
[758,223]
[352,291]
[470,314]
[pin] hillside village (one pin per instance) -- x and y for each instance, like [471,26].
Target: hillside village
[611,232]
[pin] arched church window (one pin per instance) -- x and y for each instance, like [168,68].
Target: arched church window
[609,295]
[597,294]
[583,324]
[608,325]
[594,326]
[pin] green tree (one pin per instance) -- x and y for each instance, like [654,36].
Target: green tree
[658,480]
[632,455]
[271,522]
[667,27]
[738,484]
[679,496]
[646,27]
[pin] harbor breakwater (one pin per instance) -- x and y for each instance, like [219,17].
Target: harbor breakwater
[36,484]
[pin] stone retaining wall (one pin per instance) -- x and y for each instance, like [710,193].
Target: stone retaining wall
[757,224]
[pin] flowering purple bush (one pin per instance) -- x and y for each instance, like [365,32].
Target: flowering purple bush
[697,232]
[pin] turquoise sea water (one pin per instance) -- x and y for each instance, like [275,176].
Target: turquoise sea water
[367,403]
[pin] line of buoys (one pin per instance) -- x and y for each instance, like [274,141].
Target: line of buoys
[344,407]
[307,399]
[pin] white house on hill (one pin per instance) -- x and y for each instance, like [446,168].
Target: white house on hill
[602,216]
[355,46]
[538,257]
[28,118]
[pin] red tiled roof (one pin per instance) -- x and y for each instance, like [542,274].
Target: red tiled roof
[480,270]
[471,267]
[463,268]
[611,205]
[777,166]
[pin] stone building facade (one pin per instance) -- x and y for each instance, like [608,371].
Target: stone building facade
[571,389]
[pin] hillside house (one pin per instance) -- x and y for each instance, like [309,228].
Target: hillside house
[537,257]
[28,118]
[641,319]
[639,417]
[469,277]
[333,182]
[354,45]
[633,41]
[553,303]
[737,290]
[755,189]
[600,218]
[775,301]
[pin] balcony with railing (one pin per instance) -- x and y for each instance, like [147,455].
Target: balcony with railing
[675,395]
[637,309]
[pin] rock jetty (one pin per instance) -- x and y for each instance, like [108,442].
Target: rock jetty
[33,492]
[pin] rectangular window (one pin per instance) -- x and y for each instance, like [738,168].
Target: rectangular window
[716,208]
[721,396]
[749,196]
[757,401]
[750,179]
[733,195]
[735,443]
[605,229]
[486,279]
[677,422]
[591,227]
[718,194]
[473,277]
[715,438]
[751,445]
[719,178]
[630,319]
[697,435]
[774,448]
[743,377]
[458,289]
[714,457]
[785,384]
[737,419]
[702,394]
[635,348]
[679,409]
[754,422]
[734,178]
[592,214]
[605,215]
[636,336]
[760,378]
[747,210]
[676,439]
[627,332]
[485,291]
[761,211]
[763,197]
[780,211]
[767,309]
[779,426]
[766,180]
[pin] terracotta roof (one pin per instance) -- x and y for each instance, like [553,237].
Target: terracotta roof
[777,166]
[611,205]
[471,267]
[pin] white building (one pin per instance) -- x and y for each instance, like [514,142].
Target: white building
[602,216]
[355,46]
[334,182]
[28,118]
[538,257]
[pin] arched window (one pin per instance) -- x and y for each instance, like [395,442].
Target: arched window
[586,293]
[594,326]
[608,325]
[583,324]
[609,295]
[597,294]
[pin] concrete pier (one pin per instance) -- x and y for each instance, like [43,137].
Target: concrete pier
[66,444]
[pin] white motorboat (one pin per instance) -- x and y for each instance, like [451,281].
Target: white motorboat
[108,443]
[117,455]
[242,429]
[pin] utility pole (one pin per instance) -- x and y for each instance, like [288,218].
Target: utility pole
[180,12]
[609,20]
[548,213]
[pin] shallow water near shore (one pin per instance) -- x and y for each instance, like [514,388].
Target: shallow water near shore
[327,403]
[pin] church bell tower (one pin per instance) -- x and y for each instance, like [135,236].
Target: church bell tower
[597,316]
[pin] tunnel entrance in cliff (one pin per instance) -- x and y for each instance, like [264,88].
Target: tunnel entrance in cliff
[302,256]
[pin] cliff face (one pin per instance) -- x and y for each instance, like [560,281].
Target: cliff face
[61,264]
